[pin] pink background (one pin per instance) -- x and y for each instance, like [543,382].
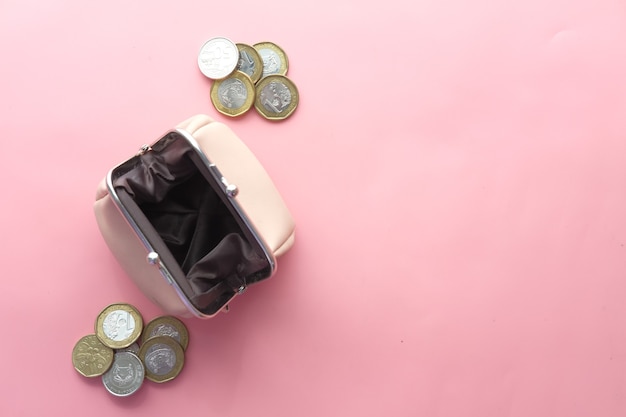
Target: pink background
[456,169]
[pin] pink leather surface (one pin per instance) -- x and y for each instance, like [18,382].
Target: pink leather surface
[456,170]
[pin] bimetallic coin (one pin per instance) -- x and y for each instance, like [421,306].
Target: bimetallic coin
[119,325]
[233,96]
[125,376]
[91,357]
[250,62]
[134,348]
[167,326]
[274,58]
[163,358]
[218,58]
[276,97]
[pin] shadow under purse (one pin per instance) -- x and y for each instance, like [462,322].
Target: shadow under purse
[190,234]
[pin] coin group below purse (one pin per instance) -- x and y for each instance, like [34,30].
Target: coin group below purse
[115,352]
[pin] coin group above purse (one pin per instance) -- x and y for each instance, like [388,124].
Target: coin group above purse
[246,75]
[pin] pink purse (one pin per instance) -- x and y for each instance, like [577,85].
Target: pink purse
[194,218]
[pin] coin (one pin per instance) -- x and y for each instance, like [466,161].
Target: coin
[276,97]
[163,358]
[134,348]
[218,57]
[125,376]
[250,62]
[91,357]
[119,325]
[274,58]
[233,96]
[167,326]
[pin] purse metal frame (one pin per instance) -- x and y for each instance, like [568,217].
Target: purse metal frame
[227,193]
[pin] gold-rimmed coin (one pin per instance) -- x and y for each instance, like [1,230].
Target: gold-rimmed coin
[91,357]
[163,358]
[234,95]
[250,62]
[167,326]
[274,58]
[276,97]
[119,325]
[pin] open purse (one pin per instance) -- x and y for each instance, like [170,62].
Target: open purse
[194,218]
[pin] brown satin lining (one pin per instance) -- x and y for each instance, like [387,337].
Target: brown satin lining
[196,235]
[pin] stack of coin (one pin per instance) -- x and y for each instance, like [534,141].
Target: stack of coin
[245,75]
[114,352]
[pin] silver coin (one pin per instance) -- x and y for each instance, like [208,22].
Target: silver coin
[218,58]
[160,359]
[125,376]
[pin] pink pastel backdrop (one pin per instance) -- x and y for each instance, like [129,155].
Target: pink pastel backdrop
[456,168]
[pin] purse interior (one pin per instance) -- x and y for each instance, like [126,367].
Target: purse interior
[185,215]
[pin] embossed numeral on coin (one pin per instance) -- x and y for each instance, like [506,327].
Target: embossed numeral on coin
[119,325]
